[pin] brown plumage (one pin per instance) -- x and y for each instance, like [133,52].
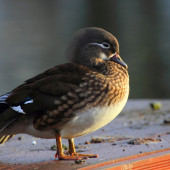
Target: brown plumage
[75,98]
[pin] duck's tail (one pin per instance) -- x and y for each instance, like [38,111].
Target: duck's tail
[7,116]
[5,138]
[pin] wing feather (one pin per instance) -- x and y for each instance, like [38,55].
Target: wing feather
[47,87]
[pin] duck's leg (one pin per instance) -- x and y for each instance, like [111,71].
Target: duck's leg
[73,152]
[60,154]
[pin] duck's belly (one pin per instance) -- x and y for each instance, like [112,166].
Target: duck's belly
[91,120]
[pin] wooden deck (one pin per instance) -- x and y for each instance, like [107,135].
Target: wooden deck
[139,138]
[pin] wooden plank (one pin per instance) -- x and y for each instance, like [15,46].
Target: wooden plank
[159,159]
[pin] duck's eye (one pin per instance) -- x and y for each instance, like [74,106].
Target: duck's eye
[106,45]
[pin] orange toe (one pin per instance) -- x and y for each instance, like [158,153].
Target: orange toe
[86,156]
[68,157]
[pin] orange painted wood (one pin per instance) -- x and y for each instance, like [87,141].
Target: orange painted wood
[155,160]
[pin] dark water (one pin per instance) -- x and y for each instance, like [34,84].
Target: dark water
[35,34]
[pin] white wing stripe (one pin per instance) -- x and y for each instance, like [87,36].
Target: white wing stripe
[19,109]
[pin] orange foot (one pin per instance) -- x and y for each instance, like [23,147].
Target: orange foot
[72,151]
[71,157]
[86,156]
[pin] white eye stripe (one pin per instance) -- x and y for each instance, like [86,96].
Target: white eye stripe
[104,45]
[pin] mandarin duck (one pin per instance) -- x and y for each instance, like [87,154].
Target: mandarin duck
[71,99]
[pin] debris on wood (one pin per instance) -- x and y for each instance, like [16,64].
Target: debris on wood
[34,142]
[97,140]
[87,142]
[156,105]
[123,138]
[64,147]
[139,141]
[81,147]
[78,151]
[54,147]
[79,161]
[167,121]
[20,138]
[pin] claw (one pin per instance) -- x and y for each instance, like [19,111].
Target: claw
[56,155]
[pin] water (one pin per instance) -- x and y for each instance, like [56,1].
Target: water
[35,34]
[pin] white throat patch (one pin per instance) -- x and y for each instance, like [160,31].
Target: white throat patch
[103,56]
